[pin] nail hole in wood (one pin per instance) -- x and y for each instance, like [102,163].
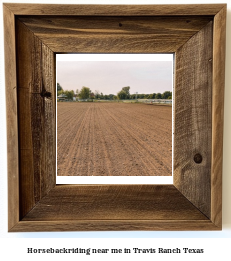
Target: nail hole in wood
[120,24]
[46,94]
[198,158]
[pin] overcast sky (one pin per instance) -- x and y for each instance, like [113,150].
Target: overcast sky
[109,77]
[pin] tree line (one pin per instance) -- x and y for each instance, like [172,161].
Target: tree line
[123,94]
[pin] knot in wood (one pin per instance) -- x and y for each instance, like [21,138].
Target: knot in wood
[198,158]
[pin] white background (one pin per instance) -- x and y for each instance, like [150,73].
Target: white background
[216,244]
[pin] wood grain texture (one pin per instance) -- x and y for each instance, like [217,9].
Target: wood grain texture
[78,25]
[114,10]
[114,225]
[36,106]
[108,202]
[12,114]
[112,44]
[114,208]
[115,34]
[218,115]
[193,114]
[48,144]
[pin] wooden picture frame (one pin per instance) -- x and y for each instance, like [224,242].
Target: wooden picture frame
[34,33]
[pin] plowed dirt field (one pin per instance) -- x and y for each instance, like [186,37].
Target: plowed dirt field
[113,139]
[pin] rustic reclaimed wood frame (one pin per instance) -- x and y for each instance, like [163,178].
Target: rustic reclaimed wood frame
[34,33]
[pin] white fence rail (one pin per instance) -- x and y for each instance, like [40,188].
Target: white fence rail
[165,101]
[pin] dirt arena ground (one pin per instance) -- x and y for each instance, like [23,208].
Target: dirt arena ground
[114,139]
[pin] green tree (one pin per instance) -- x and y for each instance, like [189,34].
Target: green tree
[124,93]
[152,96]
[101,96]
[60,92]
[127,90]
[158,96]
[92,95]
[97,95]
[84,92]
[69,94]
[59,87]
[166,94]
[111,96]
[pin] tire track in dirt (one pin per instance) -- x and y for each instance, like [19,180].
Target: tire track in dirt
[125,148]
[137,149]
[82,150]
[104,164]
[138,145]
[72,137]
[164,144]
[114,139]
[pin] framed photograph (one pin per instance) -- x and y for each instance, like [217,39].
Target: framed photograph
[34,35]
[118,130]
